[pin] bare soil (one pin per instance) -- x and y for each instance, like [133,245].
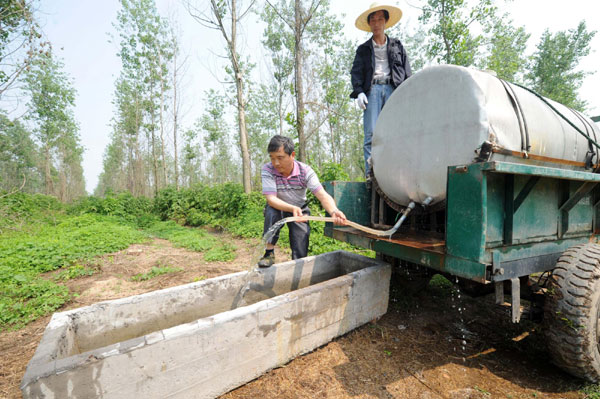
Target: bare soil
[424,347]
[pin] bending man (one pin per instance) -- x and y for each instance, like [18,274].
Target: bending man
[284,184]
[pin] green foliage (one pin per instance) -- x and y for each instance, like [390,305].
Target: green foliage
[221,253]
[18,209]
[193,239]
[154,272]
[450,40]
[332,171]
[74,272]
[24,297]
[553,71]
[591,391]
[48,240]
[203,204]
[506,50]
[50,110]
[74,238]
[134,210]
[18,157]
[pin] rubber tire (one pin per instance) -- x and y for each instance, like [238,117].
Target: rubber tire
[571,312]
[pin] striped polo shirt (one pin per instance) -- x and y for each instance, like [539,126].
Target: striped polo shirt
[291,189]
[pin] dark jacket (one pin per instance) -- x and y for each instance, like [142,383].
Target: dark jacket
[364,65]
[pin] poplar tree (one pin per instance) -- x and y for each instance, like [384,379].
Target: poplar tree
[226,16]
[449,23]
[554,69]
[50,110]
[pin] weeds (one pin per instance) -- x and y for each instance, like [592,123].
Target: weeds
[193,239]
[52,241]
[154,272]
[74,271]
[591,391]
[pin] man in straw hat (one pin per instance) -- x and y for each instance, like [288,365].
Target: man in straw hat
[380,65]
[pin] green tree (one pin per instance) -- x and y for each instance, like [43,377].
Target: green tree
[279,41]
[414,42]
[450,39]
[507,46]
[52,98]
[18,155]
[20,40]
[264,121]
[554,69]
[214,131]
[226,16]
[141,96]
[300,21]
[191,162]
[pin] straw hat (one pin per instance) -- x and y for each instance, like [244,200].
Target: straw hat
[395,15]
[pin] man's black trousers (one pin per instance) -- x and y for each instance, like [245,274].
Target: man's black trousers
[299,232]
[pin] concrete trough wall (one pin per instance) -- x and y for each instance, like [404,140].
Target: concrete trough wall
[203,339]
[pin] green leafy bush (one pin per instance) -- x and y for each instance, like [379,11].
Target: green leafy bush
[137,211]
[202,205]
[25,209]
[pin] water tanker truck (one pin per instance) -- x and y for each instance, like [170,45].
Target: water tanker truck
[495,184]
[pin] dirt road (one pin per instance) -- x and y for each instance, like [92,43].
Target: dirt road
[439,344]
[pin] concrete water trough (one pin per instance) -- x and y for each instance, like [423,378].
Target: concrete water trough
[203,339]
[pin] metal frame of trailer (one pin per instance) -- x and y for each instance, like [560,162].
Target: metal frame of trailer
[500,223]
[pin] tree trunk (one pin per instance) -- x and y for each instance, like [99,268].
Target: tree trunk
[162,122]
[239,85]
[47,172]
[175,114]
[299,85]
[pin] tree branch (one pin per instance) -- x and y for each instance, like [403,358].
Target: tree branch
[17,189]
[291,26]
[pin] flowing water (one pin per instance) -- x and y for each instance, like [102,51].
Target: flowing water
[253,276]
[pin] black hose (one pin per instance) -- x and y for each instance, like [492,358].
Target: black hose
[559,114]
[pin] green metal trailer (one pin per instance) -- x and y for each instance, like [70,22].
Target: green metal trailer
[500,224]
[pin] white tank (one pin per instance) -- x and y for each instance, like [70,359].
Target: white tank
[440,116]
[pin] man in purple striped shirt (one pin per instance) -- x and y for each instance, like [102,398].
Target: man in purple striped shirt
[284,184]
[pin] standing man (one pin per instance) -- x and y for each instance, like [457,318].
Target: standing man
[380,65]
[284,184]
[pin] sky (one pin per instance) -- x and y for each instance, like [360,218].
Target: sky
[80,32]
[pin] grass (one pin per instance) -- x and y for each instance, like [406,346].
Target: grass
[154,272]
[57,242]
[74,271]
[194,239]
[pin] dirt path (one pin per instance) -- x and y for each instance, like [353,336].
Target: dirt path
[422,348]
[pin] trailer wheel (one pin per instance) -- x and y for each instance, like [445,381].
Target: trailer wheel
[571,312]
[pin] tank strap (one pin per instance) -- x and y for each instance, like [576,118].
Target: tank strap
[589,158]
[559,114]
[525,146]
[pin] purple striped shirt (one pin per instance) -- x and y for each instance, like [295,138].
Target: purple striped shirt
[291,189]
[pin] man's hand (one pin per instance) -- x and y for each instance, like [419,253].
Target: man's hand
[297,212]
[338,217]
[362,101]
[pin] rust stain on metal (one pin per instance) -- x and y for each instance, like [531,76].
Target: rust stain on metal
[419,241]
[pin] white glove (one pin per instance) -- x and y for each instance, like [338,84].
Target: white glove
[362,101]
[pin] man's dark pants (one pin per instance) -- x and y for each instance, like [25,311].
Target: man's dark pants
[299,232]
